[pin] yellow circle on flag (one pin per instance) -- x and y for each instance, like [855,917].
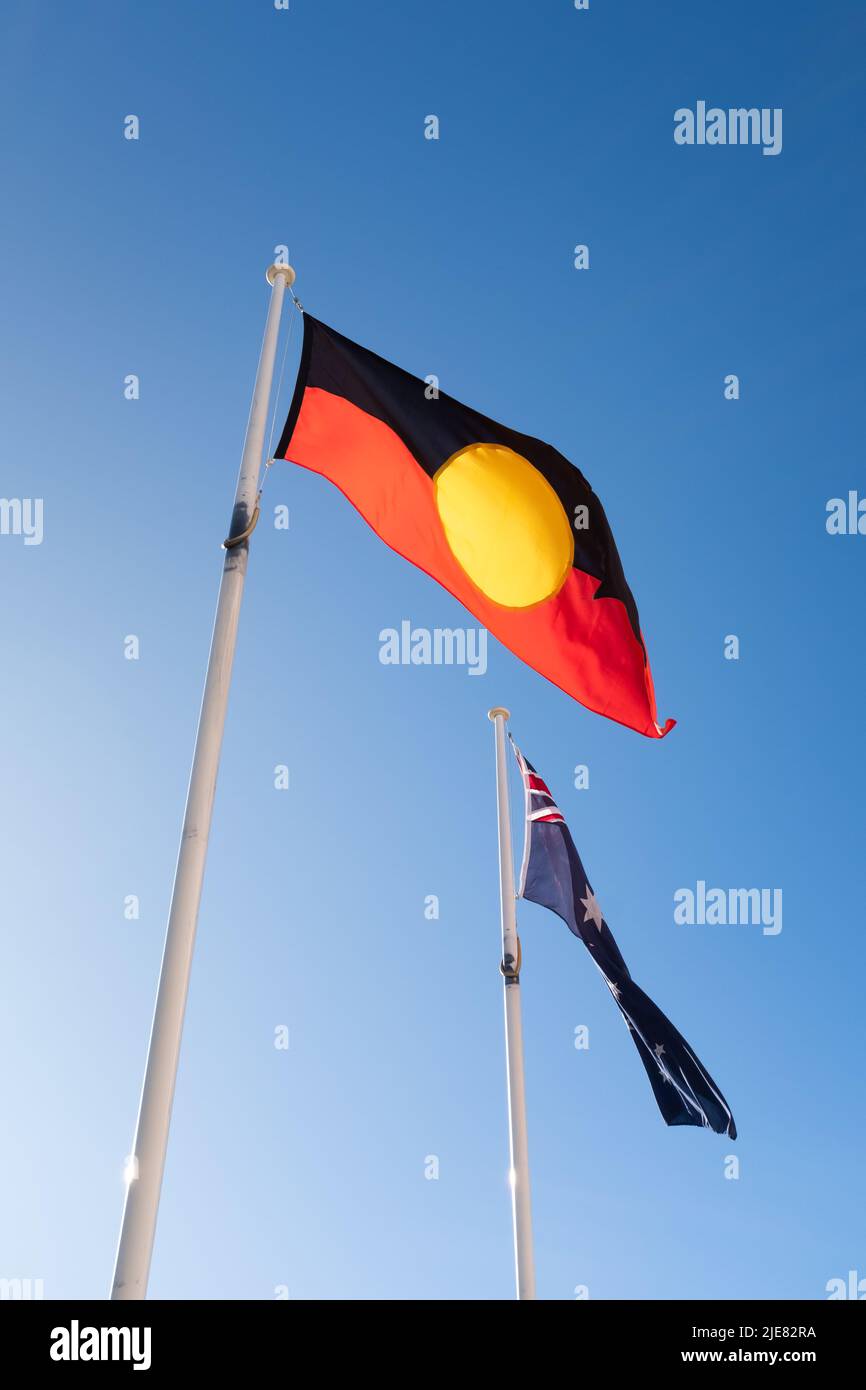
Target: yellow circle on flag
[505,524]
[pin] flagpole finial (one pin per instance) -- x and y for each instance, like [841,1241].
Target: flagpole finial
[492,714]
[280,269]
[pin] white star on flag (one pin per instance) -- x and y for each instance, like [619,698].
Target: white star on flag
[659,1051]
[593,911]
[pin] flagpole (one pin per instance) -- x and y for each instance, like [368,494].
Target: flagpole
[145,1166]
[521,1207]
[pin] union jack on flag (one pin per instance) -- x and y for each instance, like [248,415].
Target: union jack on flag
[540,804]
[553,876]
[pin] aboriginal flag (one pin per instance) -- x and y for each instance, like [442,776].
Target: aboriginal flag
[501,520]
[553,876]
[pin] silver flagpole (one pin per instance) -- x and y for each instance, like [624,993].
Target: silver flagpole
[145,1165]
[521,1206]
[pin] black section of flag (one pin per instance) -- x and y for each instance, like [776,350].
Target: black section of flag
[436,428]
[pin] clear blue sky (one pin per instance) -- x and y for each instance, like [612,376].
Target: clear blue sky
[306,1168]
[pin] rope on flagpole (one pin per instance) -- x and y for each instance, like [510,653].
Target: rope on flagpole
[269,459]
[231,541]
[512,972]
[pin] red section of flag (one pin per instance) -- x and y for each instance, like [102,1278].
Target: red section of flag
[537,785]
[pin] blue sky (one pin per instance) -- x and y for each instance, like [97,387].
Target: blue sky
[305,1168]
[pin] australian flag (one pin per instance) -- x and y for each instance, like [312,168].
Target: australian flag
[553,876]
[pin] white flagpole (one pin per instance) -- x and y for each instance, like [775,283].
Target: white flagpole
[521,1206]
[145,1165]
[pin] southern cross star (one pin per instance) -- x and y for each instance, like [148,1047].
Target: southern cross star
[659,1051]
[593,911]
